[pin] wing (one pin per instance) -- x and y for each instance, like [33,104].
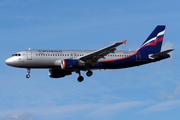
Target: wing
[93,57]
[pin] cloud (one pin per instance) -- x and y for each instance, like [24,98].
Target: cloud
[173,95]
[164,106]
[21,116]
[62,111]
[108,110]
[167,46]
[88,110]
[165,95]
[177,89]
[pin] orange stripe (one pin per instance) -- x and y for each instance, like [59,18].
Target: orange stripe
[118,58]
[64,63]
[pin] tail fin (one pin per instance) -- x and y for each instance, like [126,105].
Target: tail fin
[154,42]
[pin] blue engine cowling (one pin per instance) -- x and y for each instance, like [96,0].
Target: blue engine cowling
[69,64]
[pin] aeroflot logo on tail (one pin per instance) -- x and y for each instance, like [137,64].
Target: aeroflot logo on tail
[154,40]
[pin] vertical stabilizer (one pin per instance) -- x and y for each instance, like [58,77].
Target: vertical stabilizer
[154,42]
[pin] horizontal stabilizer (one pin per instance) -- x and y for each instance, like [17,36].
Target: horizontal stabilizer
[153,56]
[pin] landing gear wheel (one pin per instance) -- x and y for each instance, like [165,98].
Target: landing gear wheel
[80,78]
[89,73]
[27,76]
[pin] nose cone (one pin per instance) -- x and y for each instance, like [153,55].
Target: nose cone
[8,61]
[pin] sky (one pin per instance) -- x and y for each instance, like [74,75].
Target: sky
[151,91]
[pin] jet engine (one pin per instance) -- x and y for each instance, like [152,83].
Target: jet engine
[58,73]
[71,64]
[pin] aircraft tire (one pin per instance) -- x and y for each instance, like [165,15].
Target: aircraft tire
[27,76]
[80,78]
[89,73]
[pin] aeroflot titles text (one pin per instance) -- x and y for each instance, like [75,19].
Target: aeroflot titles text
[49,51]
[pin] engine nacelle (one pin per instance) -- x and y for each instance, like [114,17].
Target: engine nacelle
[58,73]
[69,64]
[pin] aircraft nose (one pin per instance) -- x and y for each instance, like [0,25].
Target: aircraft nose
[8,61]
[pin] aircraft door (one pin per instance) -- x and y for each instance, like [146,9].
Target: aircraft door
[138,57]
[29,55]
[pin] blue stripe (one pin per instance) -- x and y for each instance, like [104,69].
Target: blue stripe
[160,36]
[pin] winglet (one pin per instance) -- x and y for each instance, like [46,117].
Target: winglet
[124,42]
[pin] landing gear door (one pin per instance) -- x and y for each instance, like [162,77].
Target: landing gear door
[138,57]
[29,55]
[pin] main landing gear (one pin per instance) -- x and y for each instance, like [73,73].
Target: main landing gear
[81,78]
[28,75]
[89,73]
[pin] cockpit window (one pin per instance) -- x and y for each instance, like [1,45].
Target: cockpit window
[16,55]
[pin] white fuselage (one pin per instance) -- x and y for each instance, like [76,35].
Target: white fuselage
[48,58]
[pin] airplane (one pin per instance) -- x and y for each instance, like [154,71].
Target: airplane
[63,62]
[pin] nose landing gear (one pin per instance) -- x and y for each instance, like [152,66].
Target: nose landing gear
[28,75]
